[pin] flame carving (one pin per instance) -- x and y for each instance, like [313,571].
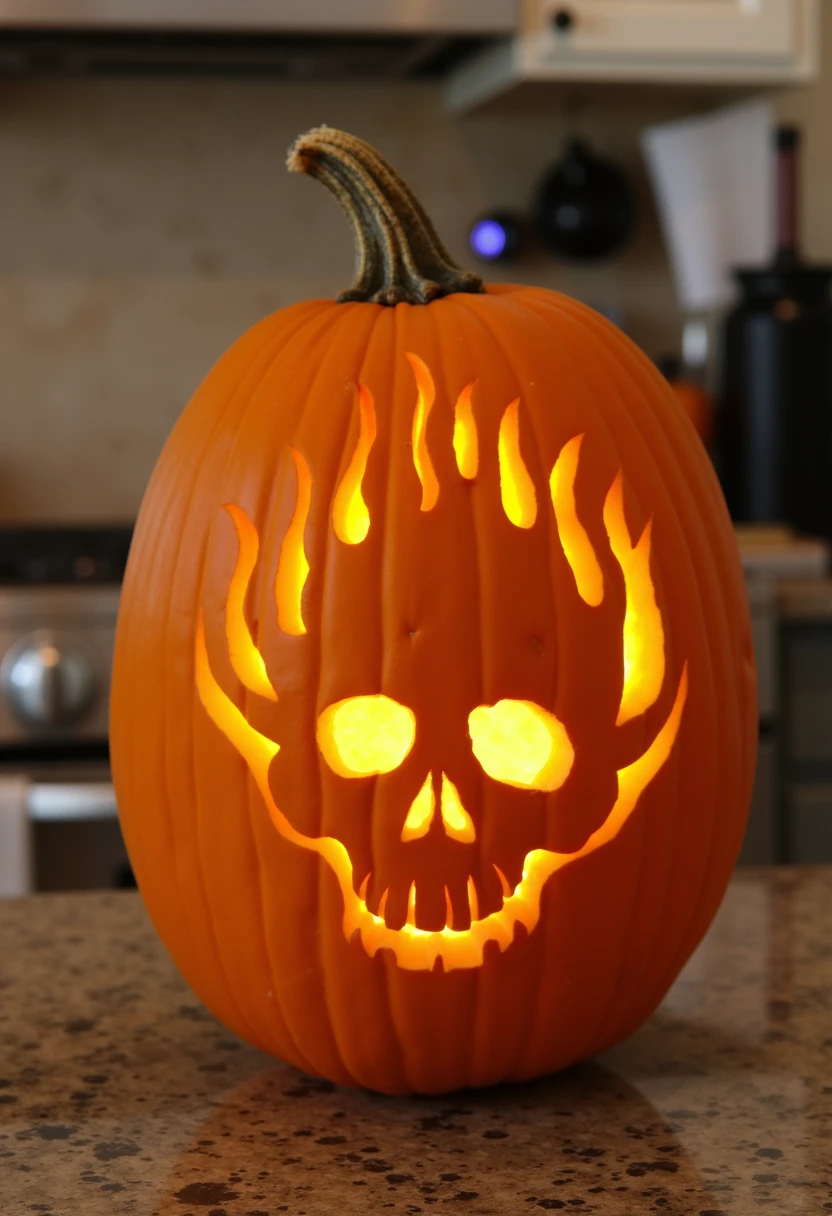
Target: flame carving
[643,630]
[466,447]
[292,566]
[246,659]
[516,486]
[350,516]
[426,395]
[577,546]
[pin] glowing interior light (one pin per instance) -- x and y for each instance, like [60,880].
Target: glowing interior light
[416,949]
[382,903]
[364,736]
[519,743]
[426,395]
[246,659]
[350,516]
[577,546]
[516,486]
[456,820]
[465,434]
[411,904]
[420,815]
[292,566]
[643,635]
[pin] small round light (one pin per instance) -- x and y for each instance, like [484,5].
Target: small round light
[488,239]
[496,237]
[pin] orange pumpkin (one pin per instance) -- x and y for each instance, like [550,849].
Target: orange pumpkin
[433,716]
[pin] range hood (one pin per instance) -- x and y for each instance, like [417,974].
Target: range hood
[291,39]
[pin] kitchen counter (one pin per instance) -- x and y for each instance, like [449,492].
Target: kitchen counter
[119,1093]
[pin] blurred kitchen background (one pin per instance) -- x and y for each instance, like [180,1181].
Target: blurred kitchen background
[631,153]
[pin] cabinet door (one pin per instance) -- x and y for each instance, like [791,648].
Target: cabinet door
[728,34]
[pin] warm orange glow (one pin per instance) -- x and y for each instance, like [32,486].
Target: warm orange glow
[465,434]
[643,635]
[516,742]
[418,949]
[519,743]
[516,486]
[364,736]
[420,815]
[292,566]
[577,546]
[246,659]
[456,820]
[426,394]
[350,516]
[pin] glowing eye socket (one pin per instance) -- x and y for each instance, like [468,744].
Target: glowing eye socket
[520,744]
[364,736]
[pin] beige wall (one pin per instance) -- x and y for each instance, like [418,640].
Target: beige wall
[145,224]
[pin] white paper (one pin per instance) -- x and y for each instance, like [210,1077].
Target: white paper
[713,177]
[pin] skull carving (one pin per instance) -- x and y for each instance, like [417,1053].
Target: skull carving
[457,897]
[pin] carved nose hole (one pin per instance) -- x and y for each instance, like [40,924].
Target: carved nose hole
[455,819]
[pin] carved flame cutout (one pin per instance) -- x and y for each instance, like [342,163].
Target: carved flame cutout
[246,659]
[350,516]
[426,395]
[466,447]
[292,566]
[516,486]
[643,629]
[517,743]
[577,546]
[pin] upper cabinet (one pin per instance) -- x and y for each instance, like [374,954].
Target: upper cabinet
[667,41]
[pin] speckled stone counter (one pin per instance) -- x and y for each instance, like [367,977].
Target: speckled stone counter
[120,1094]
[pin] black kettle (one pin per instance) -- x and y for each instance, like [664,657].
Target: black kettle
[584,209]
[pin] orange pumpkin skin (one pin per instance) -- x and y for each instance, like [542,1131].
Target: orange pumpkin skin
[443,610]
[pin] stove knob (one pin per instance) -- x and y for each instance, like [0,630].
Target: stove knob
[48,680]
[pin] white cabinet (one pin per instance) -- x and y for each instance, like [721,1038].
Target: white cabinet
[670,41]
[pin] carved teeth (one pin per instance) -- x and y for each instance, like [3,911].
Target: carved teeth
[473,903]
[382,904]
[362,890]
[411,905]
[503,883]
[449,910]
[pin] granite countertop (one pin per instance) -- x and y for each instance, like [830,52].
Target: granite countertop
[119,1093]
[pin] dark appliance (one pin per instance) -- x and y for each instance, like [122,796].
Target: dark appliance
[584,208]
[774,450]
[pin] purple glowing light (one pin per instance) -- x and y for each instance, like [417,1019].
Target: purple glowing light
[488,239]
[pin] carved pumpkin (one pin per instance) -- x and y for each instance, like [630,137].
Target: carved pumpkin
[433,713]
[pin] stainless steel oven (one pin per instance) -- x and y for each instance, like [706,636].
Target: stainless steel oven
[59,591]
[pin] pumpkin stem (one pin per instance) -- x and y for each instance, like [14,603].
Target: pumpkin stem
[399,257]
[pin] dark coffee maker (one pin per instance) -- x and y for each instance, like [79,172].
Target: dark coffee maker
[774,451]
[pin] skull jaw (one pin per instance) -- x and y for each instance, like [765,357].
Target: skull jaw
[418,949]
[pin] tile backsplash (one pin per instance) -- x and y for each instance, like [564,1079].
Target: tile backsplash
[145,224]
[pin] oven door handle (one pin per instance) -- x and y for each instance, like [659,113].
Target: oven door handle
[52,802]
